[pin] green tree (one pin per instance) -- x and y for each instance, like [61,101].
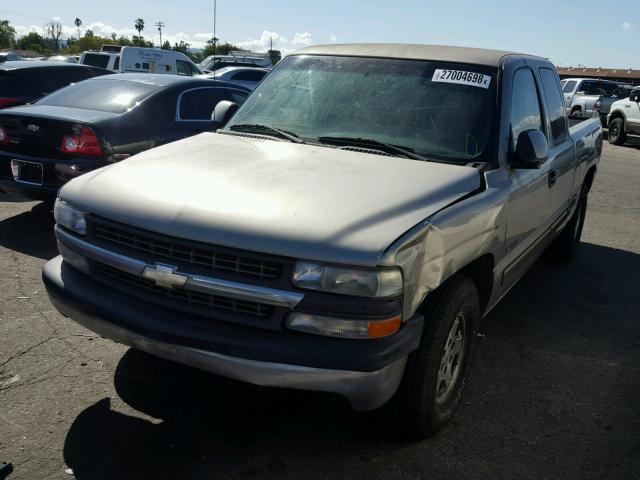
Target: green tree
[7,34]
[181,47]
[275,56]
[89,33]
[139,26]
[78,23]
[33,41]
[166,45]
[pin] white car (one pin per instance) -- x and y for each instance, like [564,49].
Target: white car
[246,76]
[624,118]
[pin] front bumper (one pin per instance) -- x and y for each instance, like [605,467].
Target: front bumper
[366,372]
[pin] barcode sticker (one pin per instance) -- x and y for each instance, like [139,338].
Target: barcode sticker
[462,78]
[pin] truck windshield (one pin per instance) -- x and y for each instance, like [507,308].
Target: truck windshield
[436,110]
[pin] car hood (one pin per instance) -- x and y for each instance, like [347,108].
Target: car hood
[272,196]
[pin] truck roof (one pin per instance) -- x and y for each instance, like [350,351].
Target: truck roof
[478,56]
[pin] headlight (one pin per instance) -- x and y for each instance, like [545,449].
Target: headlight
[69,217]
[348,281]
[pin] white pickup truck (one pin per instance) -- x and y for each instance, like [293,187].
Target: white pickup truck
[345,232]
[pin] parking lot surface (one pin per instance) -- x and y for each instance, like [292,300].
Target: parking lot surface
[553,391]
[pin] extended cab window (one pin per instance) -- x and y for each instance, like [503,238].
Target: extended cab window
[199,104]
[525,105]
[555,105]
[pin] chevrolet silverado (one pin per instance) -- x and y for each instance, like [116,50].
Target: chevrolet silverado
[344,232]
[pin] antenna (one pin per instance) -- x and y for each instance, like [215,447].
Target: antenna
[160,26]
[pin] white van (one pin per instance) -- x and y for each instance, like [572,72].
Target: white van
[142,60]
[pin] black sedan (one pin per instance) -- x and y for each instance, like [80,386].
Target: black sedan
[23,82]
[100,121]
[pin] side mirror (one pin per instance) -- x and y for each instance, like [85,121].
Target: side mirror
[224,110]
[532,150]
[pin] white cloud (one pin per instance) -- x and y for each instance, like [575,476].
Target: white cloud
[303,39]
[333,38]
[626,25]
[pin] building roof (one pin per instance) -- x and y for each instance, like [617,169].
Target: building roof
[478,56]
[592,72]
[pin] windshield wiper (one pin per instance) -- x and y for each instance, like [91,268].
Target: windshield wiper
[375,144]
[266,130]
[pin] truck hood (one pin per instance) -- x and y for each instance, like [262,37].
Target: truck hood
[272,196]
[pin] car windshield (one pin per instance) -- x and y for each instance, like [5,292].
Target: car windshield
[437,110]
[115,96]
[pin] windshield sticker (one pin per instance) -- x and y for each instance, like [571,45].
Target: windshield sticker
[461,77]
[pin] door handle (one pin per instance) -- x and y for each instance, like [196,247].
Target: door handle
[552,177]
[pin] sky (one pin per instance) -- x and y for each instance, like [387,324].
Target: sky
[569,32]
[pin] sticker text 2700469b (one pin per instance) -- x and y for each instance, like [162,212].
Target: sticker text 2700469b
[461,77]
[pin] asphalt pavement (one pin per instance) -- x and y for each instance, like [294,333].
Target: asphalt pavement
[553,392]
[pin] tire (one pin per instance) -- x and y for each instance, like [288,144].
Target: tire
[576,113]
[434,377]
[617,135]
[564,246]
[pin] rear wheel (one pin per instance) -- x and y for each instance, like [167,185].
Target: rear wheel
[434,378]
[617,135]
[576,113]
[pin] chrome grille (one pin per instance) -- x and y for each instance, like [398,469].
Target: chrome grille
[123,281]
[162,247]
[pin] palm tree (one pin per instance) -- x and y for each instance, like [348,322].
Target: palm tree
[139,26]
[78,23]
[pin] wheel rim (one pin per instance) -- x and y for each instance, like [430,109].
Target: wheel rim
[451,361]
[614,131]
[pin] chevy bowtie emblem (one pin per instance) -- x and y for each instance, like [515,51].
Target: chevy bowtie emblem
[165,275]
[33,128]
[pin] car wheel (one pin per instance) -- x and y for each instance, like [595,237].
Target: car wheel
[564,246]
[434,378]
[576,113]
[617,135]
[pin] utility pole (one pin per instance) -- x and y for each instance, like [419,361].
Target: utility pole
[160,26]
[214,28]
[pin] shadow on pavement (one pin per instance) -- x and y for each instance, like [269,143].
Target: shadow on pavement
[552,394]
[30,232]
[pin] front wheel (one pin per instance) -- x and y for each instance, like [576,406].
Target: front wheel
[434,378]
[617,135]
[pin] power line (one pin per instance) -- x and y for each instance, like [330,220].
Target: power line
[160,26]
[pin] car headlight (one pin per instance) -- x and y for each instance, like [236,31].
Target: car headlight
[69,217]
[384,282]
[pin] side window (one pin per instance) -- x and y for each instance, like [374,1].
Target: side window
[608,88]
[116,63]
[199,104]
[590,88]
[555,105]
[525,105]
[237,96]
[569,86]
[183,68]
[194,70]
